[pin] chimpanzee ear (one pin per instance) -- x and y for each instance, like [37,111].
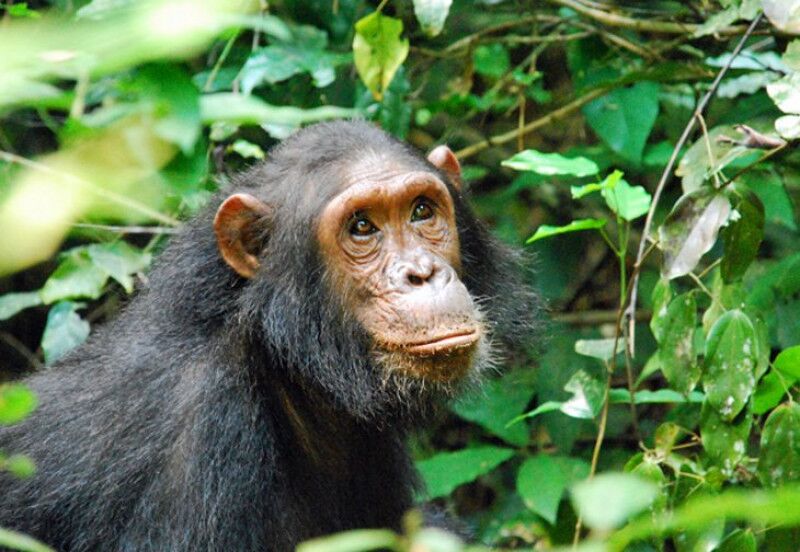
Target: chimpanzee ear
[237,233]
[445,160]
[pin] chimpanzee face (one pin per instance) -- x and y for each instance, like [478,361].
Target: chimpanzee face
[390,251]
[390,245]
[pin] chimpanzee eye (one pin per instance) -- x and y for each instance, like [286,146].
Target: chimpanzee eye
[423,210]
[361,226]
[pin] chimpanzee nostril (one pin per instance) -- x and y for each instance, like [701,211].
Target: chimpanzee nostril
[415,280]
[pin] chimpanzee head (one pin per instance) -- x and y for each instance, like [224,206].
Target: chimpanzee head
[364,272]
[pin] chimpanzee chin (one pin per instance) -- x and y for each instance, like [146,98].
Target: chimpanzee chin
[259,390]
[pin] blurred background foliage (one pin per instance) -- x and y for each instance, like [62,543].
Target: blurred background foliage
[657,412]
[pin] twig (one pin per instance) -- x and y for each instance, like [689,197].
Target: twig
[127,229]
[20,347]
[665,176]
[511,135]
[642,25]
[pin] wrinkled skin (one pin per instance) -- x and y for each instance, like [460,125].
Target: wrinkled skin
[389,243]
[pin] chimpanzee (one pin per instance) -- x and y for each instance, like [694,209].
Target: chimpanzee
[257,392]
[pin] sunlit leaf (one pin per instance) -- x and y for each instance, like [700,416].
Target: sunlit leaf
[19,465]
[601,349]
[786,93]
[587,396]
[16,403]
[64,331]
[238,108]
[12,303]
[740,540]
[545,231]
[629,202]
[119,260]
[784,14]
[445,471]
[788,362]
[730,361]
[609,499]
[378,50]
[690,230]
[551,163]
[431,14]
[359,540]
[542,480]
[662,295]
[661,396]
[770,392]
[779,461]
[20,541]
[76,277]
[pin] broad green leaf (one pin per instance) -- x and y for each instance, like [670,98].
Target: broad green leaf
[690,230]
[498,402]
[551,164]
[175,101]
[610,181]
[788,362]
[601,349]
[445,471]
[623,118]
[76,277]
[12,303]
[740,540]
[491,60]
[786,93]
[246,149]
[770,392]
[545,231]
[434,539]
[119,260]
[730,360]
[16,403]
[779,461]
[725,442]
[742,236]
[587,396]
[359,540]
[64,331]
[708,155]
[431,15]
[784,14]
[542,480]
[609,499]
[788,127]
[378,50]
[661,297]
[544,408]
[676,351]
[629,202]
[238,108]
[19,541]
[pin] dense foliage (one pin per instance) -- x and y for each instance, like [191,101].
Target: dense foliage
[650,143]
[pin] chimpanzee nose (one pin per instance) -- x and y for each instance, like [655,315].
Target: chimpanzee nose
[419,273]
[421,270]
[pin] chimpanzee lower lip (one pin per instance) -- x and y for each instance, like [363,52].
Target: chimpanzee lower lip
[456,340]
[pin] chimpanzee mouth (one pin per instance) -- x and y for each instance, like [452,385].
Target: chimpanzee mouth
[447,343]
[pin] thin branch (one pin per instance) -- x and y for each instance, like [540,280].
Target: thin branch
[665,176]
[127,229]
[594,317]
[551,117]
[642,25]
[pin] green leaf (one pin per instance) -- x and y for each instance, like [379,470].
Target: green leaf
[18,541]
[246,149]
[119,260]
[661,396]
[724,442]
[610,181]
[432,14]
[770,392]
[676,351]
[690,230]
[551,164]
[491,60]
[445,471]
[76,277]
[545,231]
[661,297]
[779,461]
[742,236]
[609,499]
[730,359]
[740,540]
[629,202]
[601,349]
[623,118]
[64,331]
[542,480]
[16,403]
[788,363]
[544,408]
[238,108]
[378,51]
[12,303]
[352,541]
[498,402]
[786,93]
[588,394]
[19,465]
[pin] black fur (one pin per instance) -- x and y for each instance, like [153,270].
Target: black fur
[221,414]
